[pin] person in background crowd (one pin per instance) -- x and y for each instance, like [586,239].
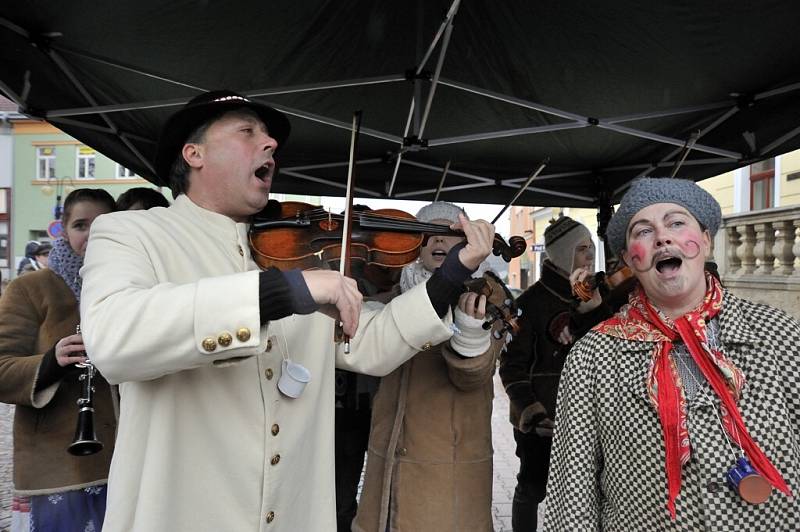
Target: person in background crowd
[531,366]
[226,372]
[39,260]
[39,347]
[429,464]
[682,411]
[30,248]
[141,198]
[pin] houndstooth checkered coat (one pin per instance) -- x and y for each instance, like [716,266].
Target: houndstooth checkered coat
[607,471]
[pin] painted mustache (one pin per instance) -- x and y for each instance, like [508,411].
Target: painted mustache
[670,253]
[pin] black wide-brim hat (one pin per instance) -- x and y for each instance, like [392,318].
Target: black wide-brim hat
[200,110]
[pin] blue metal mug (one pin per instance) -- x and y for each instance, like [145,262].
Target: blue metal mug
[746,481]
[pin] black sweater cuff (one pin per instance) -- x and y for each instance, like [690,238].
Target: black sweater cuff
[49,371]
[282,294]
[447,282]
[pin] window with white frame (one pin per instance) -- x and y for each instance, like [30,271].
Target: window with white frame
[85,169]
[124,173]
[45,162]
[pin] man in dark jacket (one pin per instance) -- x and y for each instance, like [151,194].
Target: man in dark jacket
[531,366]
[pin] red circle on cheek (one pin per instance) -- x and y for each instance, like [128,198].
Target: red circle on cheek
[636,252]
[691,242]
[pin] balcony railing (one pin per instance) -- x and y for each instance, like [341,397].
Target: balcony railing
[758,254]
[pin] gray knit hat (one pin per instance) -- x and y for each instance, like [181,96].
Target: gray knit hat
[440,210]
[560,239]
[651,190]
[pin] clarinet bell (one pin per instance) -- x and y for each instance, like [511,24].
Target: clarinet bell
[85,442]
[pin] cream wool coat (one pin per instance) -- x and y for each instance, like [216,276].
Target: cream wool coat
[206,441]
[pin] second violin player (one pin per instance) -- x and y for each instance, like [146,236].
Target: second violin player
[431,419]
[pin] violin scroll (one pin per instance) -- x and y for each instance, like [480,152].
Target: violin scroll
[500,304]
[515,247]
[583,290]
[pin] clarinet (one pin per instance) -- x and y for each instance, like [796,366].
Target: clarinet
[85,441]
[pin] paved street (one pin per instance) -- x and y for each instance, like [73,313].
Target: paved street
[505,463]
[6,417]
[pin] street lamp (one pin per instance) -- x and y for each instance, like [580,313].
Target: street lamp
[62,185]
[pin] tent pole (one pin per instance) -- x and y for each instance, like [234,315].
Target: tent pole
[668,140]
[668,112]
[447,21]
[777,142]
[435,82]
[334,184]
[686,149]
[390,190]
[507,133]
[59,61]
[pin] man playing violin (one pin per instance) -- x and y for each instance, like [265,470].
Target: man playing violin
[176,311]
[681,412]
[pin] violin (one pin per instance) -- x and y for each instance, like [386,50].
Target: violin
[293,234]
[583,290]
[500,304]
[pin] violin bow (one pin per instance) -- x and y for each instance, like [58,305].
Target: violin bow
[347,229]
[523,188]
[441,182]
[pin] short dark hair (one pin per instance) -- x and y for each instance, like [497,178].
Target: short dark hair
[96,195]
[179,172]
[144,196]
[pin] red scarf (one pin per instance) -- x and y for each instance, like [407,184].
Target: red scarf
[639,321]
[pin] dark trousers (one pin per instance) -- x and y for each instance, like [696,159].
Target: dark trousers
[352,437]
[534,461]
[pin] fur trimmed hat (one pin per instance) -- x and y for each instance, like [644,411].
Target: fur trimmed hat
[651,190]
[560,239]
[440,210]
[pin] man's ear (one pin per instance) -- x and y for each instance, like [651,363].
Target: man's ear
[707,241]
[193,155]
[625,258]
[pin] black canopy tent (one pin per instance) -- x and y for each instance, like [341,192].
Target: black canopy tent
[602,91]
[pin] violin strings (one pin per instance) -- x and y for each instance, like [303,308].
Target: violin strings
[380,221]
[383,221]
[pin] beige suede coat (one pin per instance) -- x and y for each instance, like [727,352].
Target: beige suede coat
[429,462]
[36,311]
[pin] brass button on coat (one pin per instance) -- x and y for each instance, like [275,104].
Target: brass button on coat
[402,451]
[270,517]
[426,346]
[243,334]
[268,373]
[269,344]
[275,429]
[275,459]
[209,344]
[225,339]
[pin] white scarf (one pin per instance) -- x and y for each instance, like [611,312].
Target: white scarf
[412,275]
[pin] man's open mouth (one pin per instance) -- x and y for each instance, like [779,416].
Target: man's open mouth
[668,264]
[263,170]
[439,253]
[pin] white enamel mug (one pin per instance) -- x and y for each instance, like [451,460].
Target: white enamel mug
[294,378]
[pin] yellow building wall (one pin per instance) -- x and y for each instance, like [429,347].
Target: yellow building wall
[790,190]
[721,187]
